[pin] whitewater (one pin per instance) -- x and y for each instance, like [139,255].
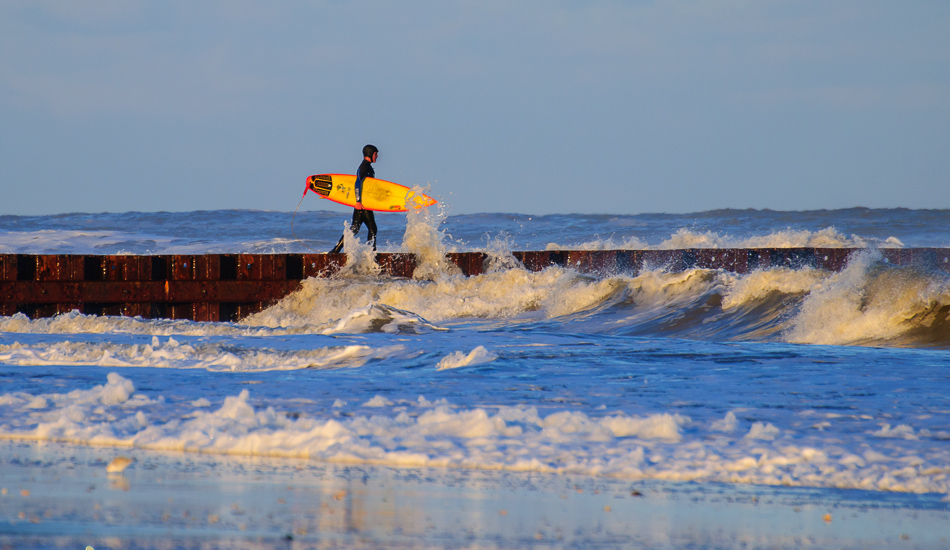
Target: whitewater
[777,378]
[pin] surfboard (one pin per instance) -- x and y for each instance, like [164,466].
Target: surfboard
[378,195]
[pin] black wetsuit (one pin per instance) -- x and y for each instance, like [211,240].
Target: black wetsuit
[360,216]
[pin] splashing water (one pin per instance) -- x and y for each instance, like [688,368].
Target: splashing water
[360,258]
[500,258]
[429,243]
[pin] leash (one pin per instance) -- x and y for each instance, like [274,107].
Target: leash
[292,223]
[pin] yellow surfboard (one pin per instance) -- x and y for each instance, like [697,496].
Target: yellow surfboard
[378,195]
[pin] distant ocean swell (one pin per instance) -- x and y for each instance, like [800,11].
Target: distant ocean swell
[248,231]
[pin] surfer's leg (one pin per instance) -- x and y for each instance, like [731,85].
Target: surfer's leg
[339,246]
[354,228]
[357,222]
[370,227]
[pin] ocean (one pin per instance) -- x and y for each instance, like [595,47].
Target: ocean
[649,383]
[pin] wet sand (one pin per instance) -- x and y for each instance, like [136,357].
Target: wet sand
[64,496]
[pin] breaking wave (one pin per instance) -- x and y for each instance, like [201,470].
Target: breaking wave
[869,303]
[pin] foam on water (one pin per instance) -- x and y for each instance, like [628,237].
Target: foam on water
[380,318]
[171,353]
[665,446]
[825,238]
[77,323]
[687,238]
[510,294]
[458,359]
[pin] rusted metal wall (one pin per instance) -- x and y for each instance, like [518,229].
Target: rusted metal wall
[227,287]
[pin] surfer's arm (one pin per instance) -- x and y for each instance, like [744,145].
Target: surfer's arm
[364,171]
[358,192]
[361,174]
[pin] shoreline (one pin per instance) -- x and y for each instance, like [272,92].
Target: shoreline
[62,496]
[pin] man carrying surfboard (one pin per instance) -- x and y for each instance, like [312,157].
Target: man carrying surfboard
[360,214]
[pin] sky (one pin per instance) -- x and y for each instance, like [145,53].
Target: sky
[532,107]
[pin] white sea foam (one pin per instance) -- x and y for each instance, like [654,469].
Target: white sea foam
[829,237]
[421,433]
[373,317]
[825,238]
[611,243]
[380,318]
[499,295]
[764,431]
[456,359]
[78,323]
[727,424]
[171,353]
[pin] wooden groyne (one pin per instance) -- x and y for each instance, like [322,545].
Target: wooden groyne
[228,287]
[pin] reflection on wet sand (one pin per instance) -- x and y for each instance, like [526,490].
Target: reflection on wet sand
[63,496]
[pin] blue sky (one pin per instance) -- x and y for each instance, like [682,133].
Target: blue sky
[535,107]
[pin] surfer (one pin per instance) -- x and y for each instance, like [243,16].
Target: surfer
[360,214]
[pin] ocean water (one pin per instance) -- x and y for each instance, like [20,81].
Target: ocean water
[780,377]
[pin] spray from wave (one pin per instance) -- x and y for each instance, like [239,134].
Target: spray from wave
[425,238]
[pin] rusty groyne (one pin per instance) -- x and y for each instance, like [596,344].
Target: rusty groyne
[228,287]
